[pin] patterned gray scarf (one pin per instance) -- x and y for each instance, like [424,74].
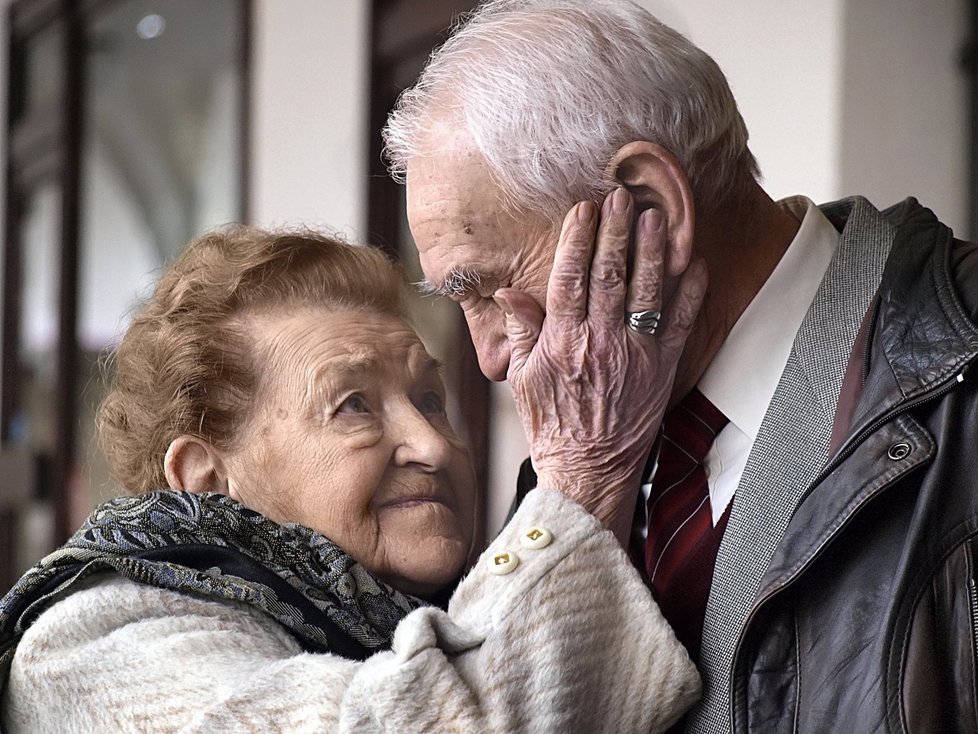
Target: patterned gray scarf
[212,546]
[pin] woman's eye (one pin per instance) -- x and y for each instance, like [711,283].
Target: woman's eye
[432,403]
[354,404]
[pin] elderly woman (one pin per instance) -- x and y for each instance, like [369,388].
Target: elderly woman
[316,513]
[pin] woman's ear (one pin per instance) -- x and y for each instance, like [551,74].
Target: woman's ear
[654,178]
[194,465]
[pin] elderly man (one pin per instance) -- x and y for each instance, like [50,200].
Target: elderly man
[809,513]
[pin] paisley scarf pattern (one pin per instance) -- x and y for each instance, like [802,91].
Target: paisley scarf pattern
[213,546]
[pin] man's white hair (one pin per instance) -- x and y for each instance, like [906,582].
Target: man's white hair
[550,89]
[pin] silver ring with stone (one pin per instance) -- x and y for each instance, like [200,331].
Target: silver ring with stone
[644,322]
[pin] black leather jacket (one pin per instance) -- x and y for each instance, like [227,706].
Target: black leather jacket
[867,618]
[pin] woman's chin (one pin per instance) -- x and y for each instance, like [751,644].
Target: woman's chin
[429,566]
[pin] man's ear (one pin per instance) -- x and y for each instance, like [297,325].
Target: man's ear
[654,178]
[194,465]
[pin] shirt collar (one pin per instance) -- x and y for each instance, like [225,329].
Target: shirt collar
[743,376]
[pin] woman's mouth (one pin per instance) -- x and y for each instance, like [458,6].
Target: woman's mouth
[408,502]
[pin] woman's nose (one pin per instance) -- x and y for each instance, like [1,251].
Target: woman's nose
[419,442]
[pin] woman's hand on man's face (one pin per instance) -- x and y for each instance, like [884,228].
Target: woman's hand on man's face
[591,391]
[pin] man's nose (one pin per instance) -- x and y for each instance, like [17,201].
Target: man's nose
[491,347]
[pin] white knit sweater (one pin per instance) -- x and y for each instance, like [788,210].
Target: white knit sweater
[570,641]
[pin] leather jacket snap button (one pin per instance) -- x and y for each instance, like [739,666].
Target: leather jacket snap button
[899,451]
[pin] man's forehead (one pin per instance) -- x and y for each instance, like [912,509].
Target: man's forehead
[459,181]
[456,216]
[463,228]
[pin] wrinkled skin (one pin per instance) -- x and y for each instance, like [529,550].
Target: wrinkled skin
[591,392]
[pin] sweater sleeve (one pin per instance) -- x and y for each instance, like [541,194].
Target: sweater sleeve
[567,640]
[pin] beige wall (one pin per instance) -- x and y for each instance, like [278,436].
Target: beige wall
[904,105]
[845,96]
[309,113]
[783,61]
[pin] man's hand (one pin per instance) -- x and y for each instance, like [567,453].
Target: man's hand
[590,391]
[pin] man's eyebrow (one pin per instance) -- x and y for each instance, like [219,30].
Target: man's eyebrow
[460,281]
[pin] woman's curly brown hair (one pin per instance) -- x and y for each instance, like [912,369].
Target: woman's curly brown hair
[185,365]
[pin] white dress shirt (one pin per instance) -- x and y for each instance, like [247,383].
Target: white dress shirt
[743,376]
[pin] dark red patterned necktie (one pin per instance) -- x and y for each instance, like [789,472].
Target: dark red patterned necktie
[682,541]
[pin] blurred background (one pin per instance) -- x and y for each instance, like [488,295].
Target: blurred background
[134,125]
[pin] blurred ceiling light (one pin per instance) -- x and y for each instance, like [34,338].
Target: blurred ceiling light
[150,26]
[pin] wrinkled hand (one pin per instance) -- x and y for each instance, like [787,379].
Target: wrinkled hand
[590,391]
